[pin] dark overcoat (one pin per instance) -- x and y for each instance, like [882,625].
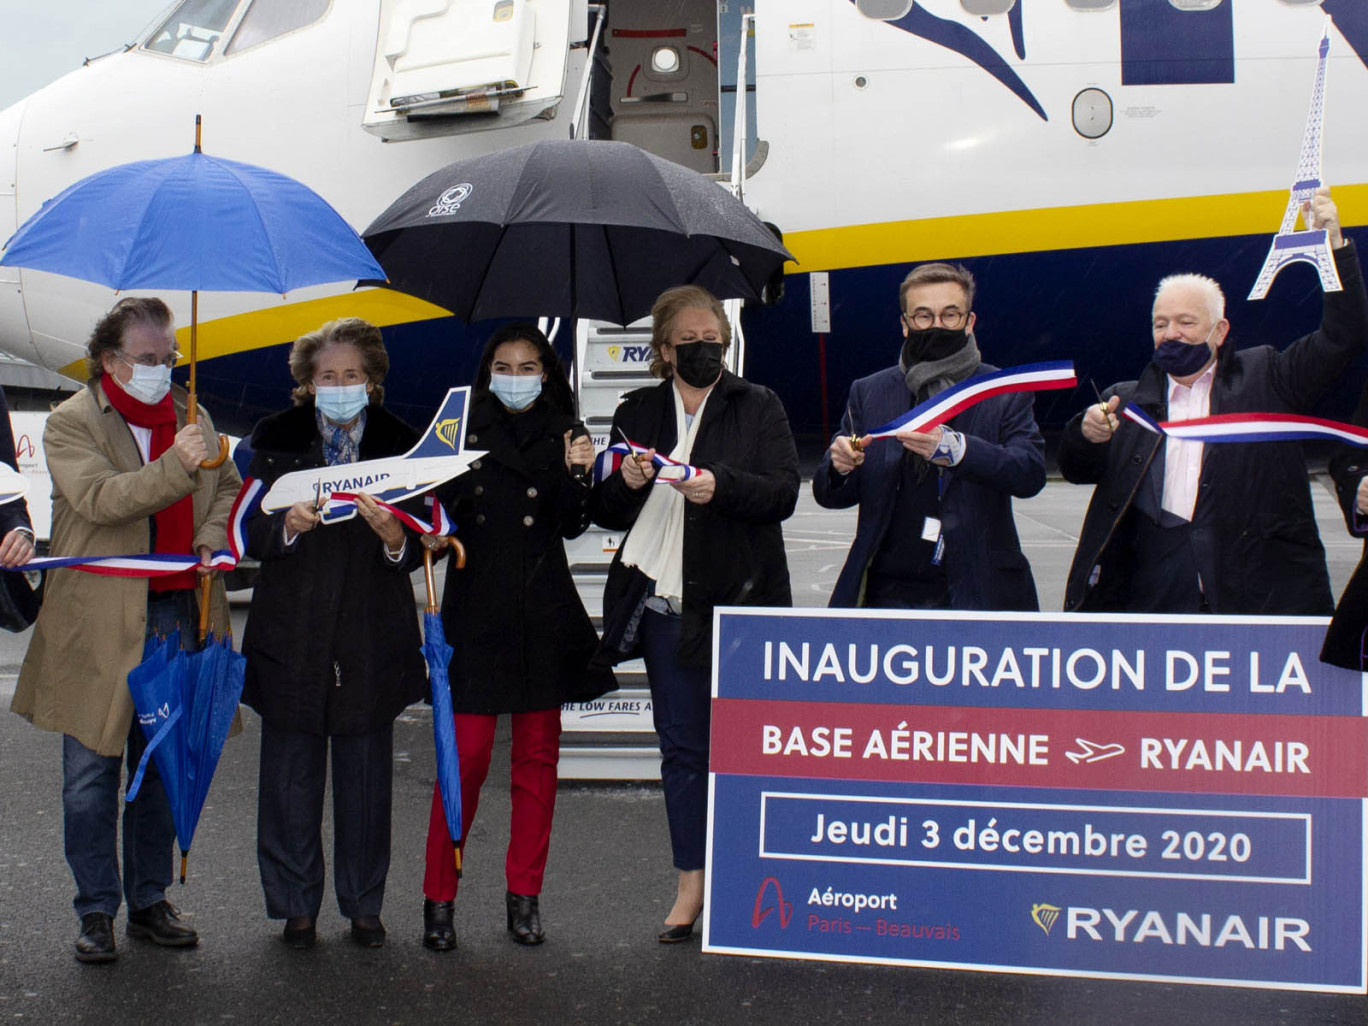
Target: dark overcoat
[1254,514]
[1346,639]
[521,640]
[733,545]
[1004,456]
[332,640]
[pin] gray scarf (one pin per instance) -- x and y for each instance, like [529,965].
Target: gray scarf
[934,376]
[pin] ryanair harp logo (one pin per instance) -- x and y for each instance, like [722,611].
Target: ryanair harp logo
[449,431]
[615,353]
[1045,916]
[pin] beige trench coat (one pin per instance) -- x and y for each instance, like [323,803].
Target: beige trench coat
[91,628]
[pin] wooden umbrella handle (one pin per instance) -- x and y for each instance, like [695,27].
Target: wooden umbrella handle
[459,558]
[205,585]
[431,606]
[458,549]
[222,455]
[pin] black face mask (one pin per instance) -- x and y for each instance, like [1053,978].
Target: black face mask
[698,364]
[1180,359]
[923,344]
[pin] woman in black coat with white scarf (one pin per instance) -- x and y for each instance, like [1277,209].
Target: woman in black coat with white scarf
[521,639]
[711,540]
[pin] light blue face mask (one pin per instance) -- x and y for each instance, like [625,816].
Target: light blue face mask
[516,391]
[340,403]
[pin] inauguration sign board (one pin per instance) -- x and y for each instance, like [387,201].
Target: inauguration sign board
[1158,798]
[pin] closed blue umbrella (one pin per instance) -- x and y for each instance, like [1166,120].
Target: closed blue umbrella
[185,703]
[438,655]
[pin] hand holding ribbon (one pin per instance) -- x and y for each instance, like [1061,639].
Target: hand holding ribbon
[651,464]
[1031,377]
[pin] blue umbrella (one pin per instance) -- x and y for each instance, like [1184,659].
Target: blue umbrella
[193,222]
[438,655]
[185,703]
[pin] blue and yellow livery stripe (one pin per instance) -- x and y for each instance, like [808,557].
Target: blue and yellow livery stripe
[276,325]
[1054,228]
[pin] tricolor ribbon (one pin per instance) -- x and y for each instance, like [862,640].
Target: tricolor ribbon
[152,564]
[1252,427]
[247,503]
[441,523]
[668,470]
[1029,377]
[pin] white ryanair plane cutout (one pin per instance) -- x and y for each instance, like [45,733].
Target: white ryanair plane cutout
[439,456]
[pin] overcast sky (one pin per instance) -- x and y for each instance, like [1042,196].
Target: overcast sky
[41,40]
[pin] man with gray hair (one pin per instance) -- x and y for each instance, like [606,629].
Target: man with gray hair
[1181,527]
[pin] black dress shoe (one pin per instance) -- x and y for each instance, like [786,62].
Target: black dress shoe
[677,933]
[96,942]
[438,932]
[160,923]
[524,918]
[300,932]
[368,931]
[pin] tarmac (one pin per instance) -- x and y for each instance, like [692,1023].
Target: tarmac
[608,886]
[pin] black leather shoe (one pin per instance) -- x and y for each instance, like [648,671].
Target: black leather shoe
[368,931]
[524,918]
[96,942]
[677,933]
[160,923]
[300,932]
[438,932]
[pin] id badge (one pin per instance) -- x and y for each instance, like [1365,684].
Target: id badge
[931,530]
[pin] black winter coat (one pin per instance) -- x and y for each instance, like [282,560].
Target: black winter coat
[1346,639]
[520,637]
[1253,500]
[332,640]
[733,545]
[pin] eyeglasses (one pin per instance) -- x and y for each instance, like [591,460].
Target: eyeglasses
[922,318]
[148,360]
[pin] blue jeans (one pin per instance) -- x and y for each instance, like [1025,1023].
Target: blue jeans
[90,803]
[681,703]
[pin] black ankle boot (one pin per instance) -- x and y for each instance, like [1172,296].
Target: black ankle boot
[438,932]
[524,918]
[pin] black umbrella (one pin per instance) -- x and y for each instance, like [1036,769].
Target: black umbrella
[570,228]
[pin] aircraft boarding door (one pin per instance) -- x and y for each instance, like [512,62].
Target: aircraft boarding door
[449,66]
[613,738]
[665,85]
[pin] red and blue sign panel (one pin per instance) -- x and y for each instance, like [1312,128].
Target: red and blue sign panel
[1161,798]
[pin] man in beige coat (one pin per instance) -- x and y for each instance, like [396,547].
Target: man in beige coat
[126,478]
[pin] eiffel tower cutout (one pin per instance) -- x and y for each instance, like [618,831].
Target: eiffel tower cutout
[1310,246]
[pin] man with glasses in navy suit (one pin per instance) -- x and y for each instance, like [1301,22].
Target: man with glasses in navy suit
[935,527]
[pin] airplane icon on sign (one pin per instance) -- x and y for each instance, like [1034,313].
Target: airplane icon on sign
[1093,752]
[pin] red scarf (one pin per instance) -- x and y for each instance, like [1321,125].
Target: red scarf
[176,523]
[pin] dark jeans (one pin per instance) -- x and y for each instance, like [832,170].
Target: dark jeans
[294,775]
[681,702]
[90,802]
